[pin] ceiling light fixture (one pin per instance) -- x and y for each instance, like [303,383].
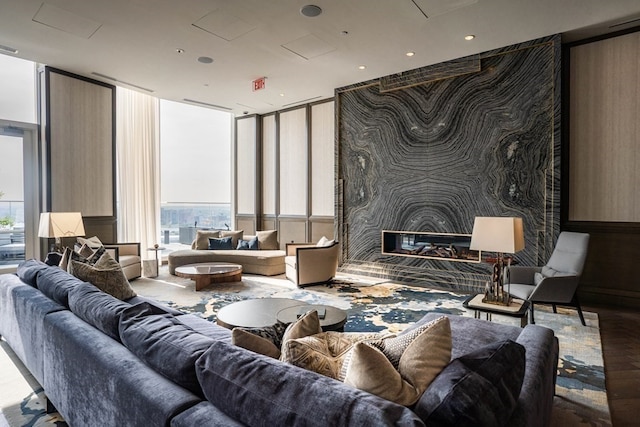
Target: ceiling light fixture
[410,54]
[362,67]
[8,49]
[179,50]
[205,60]
[282,94]
[469,37]
[311,10]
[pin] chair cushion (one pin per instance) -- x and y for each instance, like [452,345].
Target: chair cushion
[477,389]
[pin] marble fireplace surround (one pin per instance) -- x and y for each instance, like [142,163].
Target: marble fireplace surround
[429,149]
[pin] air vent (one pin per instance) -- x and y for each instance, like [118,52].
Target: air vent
[302,101]
[206,104]
[113,79]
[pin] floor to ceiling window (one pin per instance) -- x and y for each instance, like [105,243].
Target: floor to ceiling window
[17,153]
[195,158]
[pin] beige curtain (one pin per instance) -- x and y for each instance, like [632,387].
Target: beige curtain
[138,152]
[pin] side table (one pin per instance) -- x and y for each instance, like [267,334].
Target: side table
[517,308]
[333,320]
[157,249]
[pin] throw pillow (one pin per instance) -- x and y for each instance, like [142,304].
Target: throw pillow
[267,340]
[235,236]
[66,255]
[202,238]
[85,251]
[480,388]
[268,240]
[106,274]
[251,245]
[307,324]
[220,244]
[324,242]
[92,242]
[323,353]
[421,360]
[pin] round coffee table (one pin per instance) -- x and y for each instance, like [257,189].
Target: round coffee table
[253,313]
[331,318]
[207,273]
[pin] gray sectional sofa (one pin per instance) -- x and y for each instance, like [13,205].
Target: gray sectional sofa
[102,361]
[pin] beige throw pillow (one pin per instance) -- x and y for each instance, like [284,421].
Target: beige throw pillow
[307,324]
[323,353]
[202,238]
[367,368]
[255,343]
[267,240]
[92,242]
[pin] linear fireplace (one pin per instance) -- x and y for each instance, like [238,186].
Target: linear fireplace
[444,246]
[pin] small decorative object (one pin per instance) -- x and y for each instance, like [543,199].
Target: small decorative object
[501,235]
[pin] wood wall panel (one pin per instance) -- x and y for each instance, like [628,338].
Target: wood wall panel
[291,230]
[605,130]
[248,225]
[269,164]
[81,147]
[323,159]
[293,179]
[321,228]
[246,161]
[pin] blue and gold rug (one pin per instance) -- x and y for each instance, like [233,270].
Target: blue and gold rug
[376,305]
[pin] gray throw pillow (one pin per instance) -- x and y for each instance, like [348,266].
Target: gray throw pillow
[106,274]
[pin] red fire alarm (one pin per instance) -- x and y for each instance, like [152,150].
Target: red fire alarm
[259,84]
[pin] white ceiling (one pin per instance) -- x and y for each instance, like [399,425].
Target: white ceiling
[135,41]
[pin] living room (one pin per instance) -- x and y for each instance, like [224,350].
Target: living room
[508,128]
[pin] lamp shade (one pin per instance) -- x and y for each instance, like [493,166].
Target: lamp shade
[497,234]
[60,224]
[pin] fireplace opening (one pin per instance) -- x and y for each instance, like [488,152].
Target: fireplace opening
[443,246]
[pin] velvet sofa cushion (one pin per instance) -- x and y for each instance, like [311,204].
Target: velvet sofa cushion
[477,389]
[28,271]
[261,391]
[56,284]
[164,343]
[97,308]
[220,244]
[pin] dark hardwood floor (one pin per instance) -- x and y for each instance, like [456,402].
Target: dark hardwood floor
[620,335]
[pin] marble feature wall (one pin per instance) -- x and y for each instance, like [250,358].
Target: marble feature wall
[430,157]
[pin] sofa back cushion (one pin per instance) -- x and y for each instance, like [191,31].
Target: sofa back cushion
[97,308]
[234,380]
[56,284]
[480,388]
[164,343]
[28,271]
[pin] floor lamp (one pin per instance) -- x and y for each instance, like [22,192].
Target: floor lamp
[59,225]
[503,235]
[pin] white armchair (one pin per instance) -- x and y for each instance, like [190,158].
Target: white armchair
[555,283]
[308,264]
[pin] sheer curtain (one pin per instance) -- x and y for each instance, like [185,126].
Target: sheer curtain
[138,152]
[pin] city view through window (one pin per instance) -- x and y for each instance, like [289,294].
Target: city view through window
[195,150]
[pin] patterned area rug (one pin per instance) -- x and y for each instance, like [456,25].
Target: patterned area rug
[372,305]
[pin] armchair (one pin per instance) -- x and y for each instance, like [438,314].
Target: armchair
[308,264]
[128,256]
[556,282]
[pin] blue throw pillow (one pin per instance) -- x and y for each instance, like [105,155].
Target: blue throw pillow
[480,388]
[224,243]
[251,245]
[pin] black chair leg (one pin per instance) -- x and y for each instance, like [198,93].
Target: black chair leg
[577,305]
[531,318]
[555,310]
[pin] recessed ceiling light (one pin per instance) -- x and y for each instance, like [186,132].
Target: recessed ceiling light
[311,10]
[8,49]
[410,54]
[282,94]
[205,60]
[180,50]
[469,37]
[362,67]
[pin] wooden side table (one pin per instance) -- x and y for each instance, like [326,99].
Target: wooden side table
[517,308]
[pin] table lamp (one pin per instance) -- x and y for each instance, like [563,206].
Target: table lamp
[501,235]
[59,225]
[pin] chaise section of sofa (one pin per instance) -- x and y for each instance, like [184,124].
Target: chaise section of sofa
[262,262]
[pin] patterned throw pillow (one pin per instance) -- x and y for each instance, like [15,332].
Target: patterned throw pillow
[323,353]
[106,274]
[267,340]
[368,368]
